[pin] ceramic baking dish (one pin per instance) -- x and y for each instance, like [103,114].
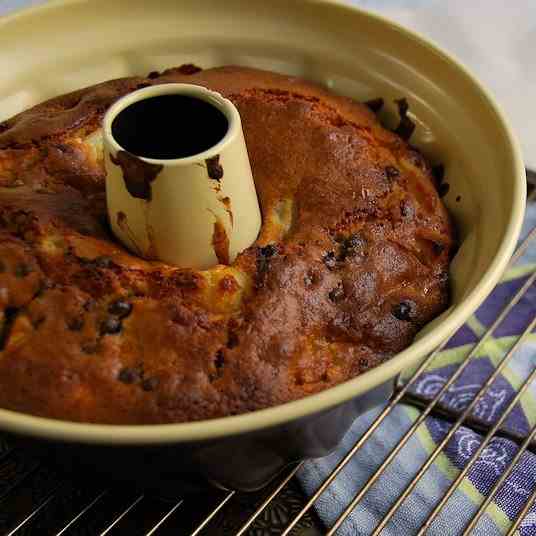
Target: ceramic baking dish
[65,45]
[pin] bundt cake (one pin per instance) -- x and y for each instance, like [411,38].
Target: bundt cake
[352,260]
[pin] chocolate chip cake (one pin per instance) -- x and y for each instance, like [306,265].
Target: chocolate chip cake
[352,260]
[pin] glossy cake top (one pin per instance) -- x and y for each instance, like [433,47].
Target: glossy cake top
[351,262]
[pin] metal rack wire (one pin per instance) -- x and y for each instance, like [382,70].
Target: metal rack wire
[88,510]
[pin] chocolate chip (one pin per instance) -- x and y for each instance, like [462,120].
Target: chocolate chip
[363,363]
[458,198]
[103,262]
[219,361]
[22,270]
[75,324]
[336,294]
[309,279]
[330,260]
[150,384]
[443,189]
[351,246]
[120,308]
[89,304]
[268,251]
[403,310]
[264,255]
[438,172]
[407,209]
[110,326]
[89,348]
[375,104]
[392,172]
[129,375]
[232,340]
[153,74]
[36,322]
[438,247]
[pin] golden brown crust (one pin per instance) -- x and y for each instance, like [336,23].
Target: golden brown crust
[352,260]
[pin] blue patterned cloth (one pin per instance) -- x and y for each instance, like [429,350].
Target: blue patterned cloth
[494,459]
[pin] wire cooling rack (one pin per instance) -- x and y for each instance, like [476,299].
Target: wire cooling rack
[34,500]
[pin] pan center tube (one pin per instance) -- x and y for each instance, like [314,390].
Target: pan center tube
[179,187]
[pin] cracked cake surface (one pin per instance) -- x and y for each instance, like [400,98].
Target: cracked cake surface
[352,260]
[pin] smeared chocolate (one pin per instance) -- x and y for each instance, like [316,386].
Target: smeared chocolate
[406,126]
[438,172]
[137,174]
[226,201]
[220,243]
[443,189]
[375,104]
[121,218]
[152,252]
[122,223]
[214,168]
[189,68]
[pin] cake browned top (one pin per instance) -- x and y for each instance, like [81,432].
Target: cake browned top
[351,261]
